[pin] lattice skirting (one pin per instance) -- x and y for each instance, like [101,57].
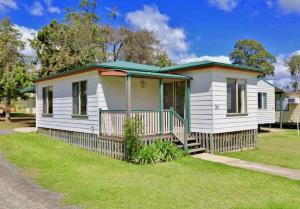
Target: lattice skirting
[227,142]
[107,145]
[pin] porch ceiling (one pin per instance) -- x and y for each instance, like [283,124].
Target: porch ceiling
[143,74]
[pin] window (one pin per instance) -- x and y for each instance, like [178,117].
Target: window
[79,96]
[48,100]
[285,104]
[236,96]
[262,100]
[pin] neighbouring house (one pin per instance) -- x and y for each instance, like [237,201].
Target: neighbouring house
[287,107]
[266,102]
[26,105]
[201,106]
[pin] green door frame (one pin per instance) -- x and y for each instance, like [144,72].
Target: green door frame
[187,94]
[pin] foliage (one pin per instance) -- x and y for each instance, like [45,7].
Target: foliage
[160,151]
[81,39]
[253,54]
[13,73]
[293,64]
[91,180]
[147,154]
[132,131]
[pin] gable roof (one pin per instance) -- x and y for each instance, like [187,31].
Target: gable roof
[277,89]
[139,69]
[207,64]
[128,66]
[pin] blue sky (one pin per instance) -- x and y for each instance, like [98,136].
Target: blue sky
[189,30]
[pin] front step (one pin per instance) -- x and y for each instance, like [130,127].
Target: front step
[196,150]
[193,146]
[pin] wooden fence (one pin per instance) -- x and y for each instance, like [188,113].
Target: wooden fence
[227,142]
[91,142]
[115,147]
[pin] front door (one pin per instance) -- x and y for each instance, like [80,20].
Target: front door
[174,96]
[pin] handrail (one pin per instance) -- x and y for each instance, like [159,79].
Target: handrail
[154,122]
[178,126]
[112,121]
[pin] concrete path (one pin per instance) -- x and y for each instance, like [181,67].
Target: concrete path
[25,129]
[275,170]
[16,191]
[5,131]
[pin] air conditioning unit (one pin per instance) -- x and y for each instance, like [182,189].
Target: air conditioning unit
[293,100]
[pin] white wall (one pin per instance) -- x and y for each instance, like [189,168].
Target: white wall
[266,116]
[112,95]
[62,104]
[209,101]
[222,122]
[201,101]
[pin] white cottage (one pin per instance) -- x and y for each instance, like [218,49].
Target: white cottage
[200,105]
[266,102]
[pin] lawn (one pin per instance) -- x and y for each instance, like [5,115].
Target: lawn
[91,180]
[274,148]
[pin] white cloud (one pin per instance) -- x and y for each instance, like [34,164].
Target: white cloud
[11,4]
[51,8]
[282,77]
[27,34]
[285,6]
[193,58]
[226,5]
[36,9]
[172,39]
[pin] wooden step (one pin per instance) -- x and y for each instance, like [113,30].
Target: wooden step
[194,144]
[196,150]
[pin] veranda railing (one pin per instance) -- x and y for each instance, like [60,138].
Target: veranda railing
[153,122]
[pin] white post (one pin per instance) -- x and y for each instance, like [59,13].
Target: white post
[128,95]
[298,124]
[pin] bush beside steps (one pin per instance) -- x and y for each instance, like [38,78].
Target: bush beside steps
[159,151]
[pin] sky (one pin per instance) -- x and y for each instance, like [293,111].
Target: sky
[189,30]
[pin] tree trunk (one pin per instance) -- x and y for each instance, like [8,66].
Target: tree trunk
[7,109]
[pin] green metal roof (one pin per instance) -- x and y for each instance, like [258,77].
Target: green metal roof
[128,66]
[137,69]
[208,63]
[28,89]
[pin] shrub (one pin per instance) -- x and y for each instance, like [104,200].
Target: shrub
[160,151]
[132,131]
[147,154]
[169,151]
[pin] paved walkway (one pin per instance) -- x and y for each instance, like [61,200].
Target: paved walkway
[275,170]
[25,129]
[5,131]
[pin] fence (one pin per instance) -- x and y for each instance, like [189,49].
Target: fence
[227,142]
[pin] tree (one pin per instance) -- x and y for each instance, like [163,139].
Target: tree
[13,73]
[80,39]
[293,64]
[74,42]
[253,54]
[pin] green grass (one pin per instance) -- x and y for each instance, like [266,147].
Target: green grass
[91,180]
[274,148]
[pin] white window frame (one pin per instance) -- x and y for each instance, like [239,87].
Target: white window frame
[263,99]
[47,100]
[237,82]
[79,99]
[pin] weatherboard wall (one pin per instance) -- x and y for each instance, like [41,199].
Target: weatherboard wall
[208,101]
[112,93]
[62,104]
[267,115]
[222,122]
